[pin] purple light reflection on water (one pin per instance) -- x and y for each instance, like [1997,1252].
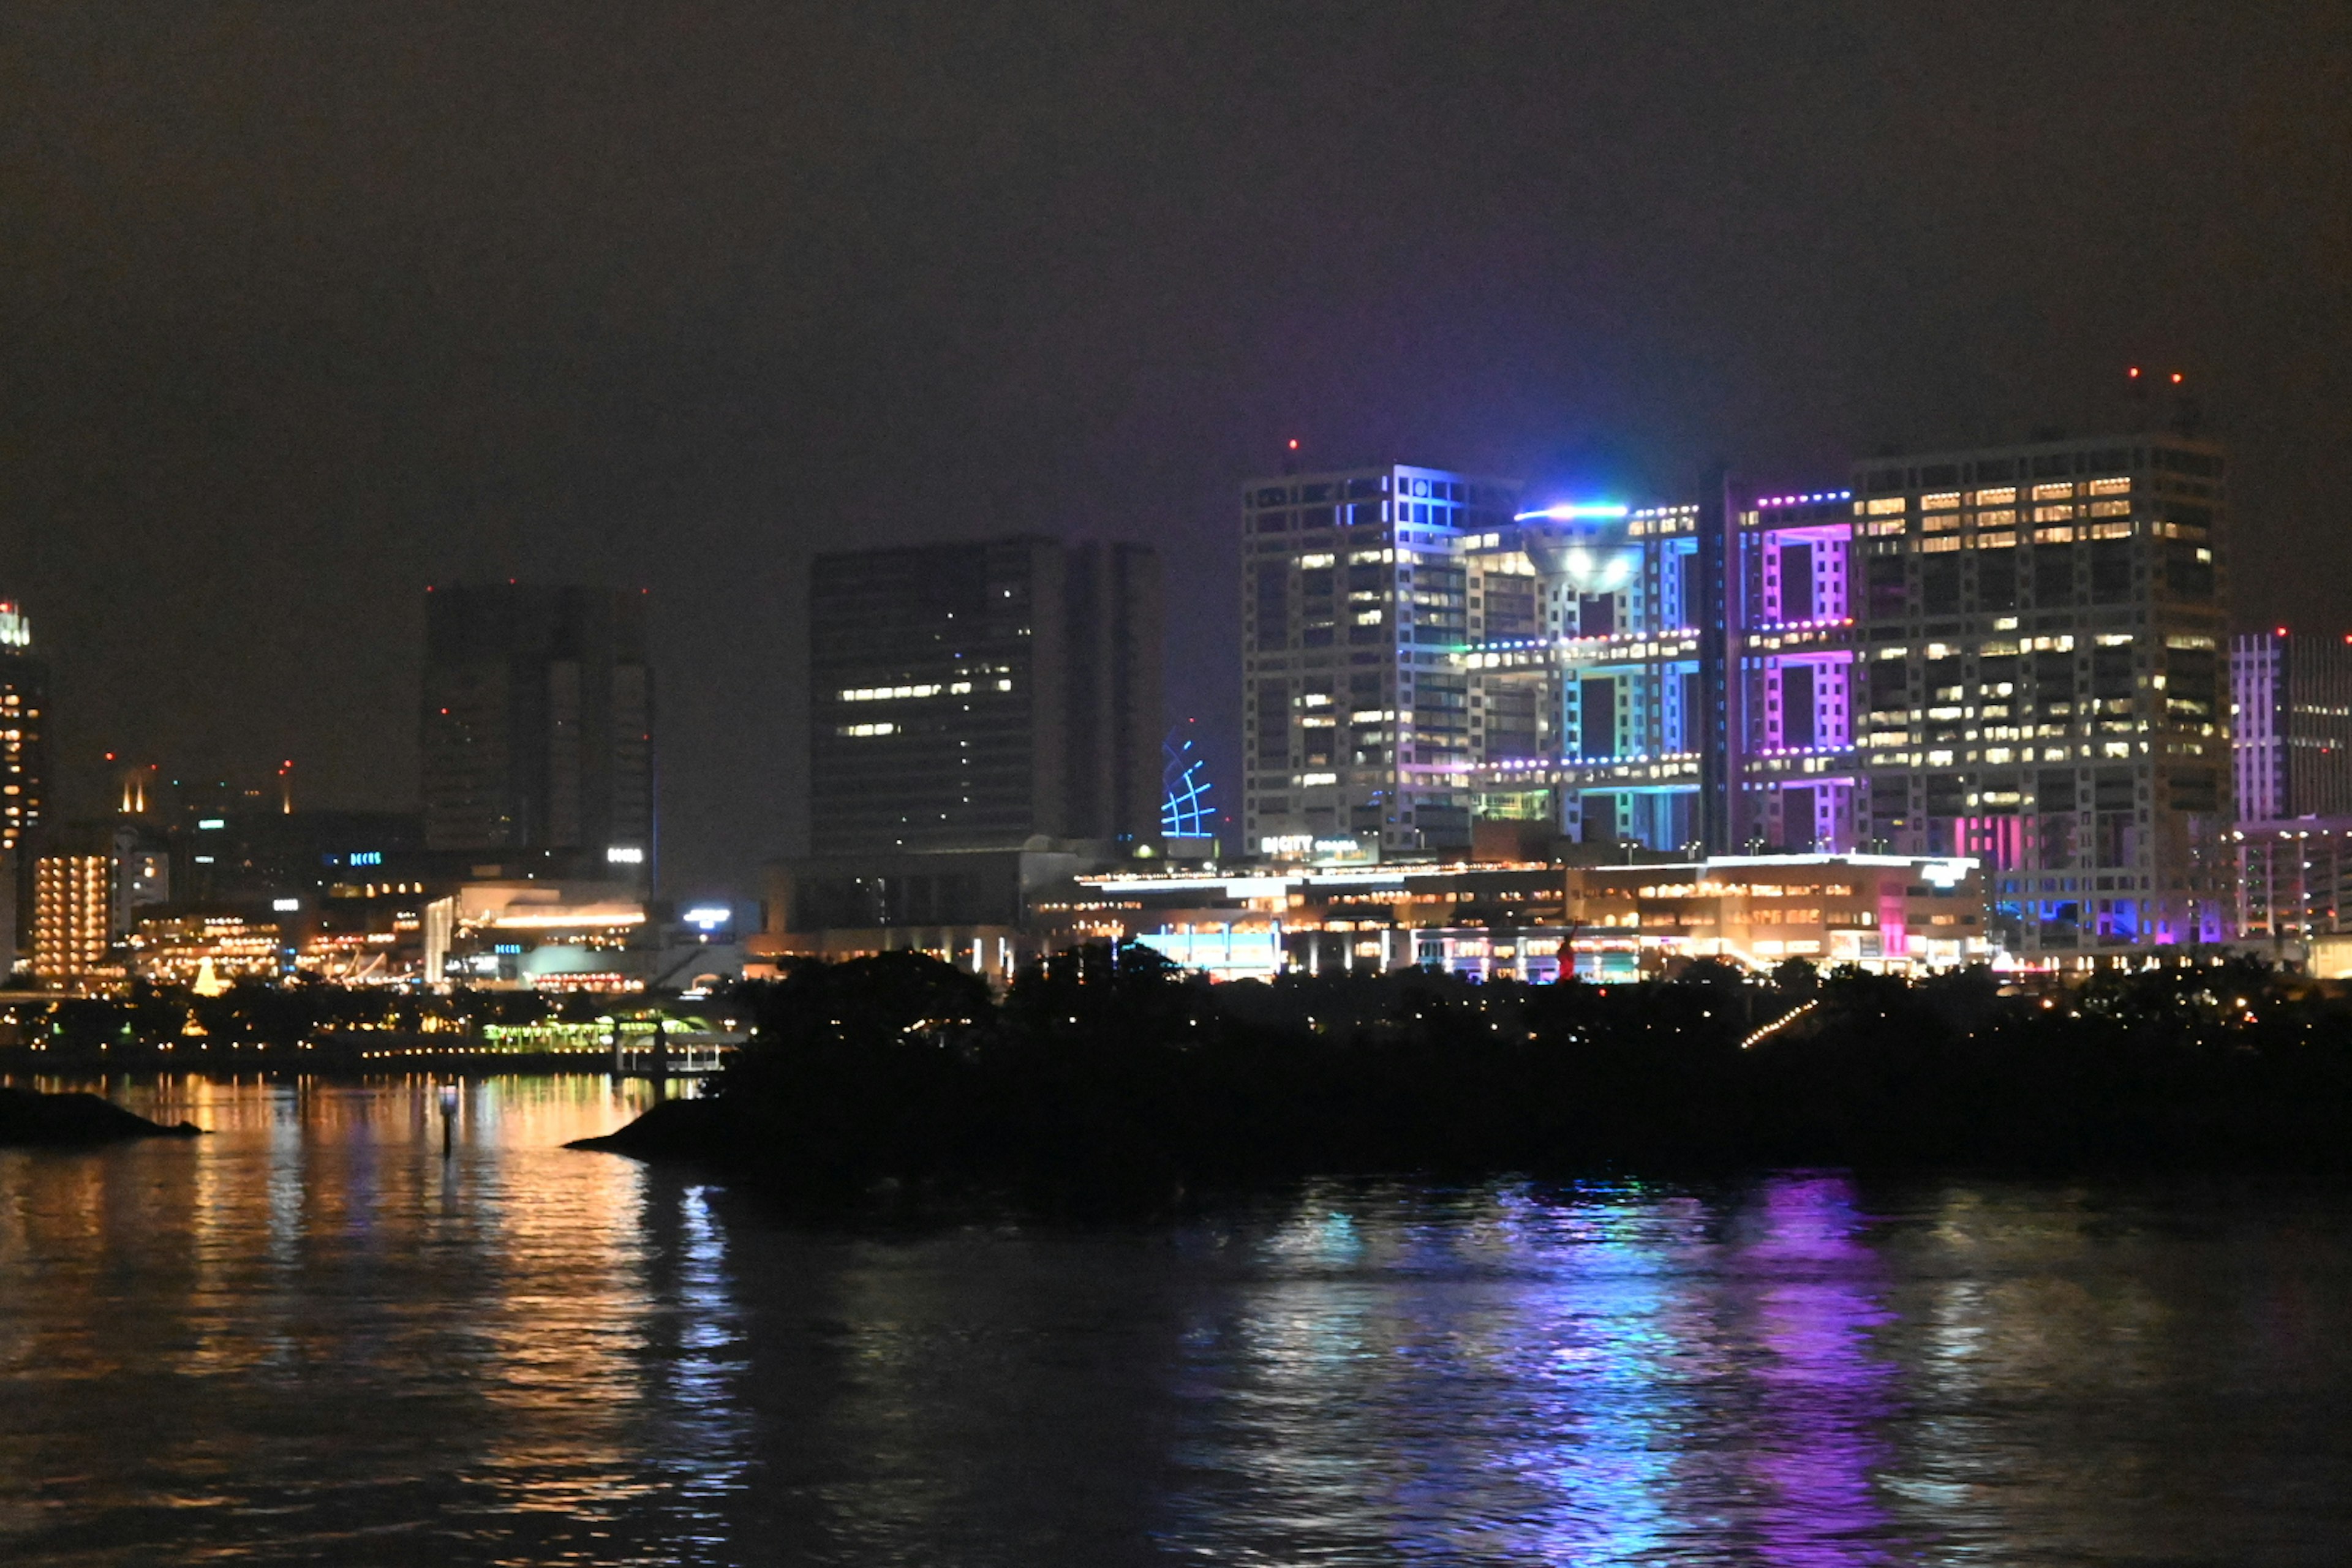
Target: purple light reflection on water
[1825,1395]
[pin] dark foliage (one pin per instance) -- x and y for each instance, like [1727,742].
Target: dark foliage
[1109,1076]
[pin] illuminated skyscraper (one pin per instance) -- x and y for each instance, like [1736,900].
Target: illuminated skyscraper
[2012,653]
[537,726]
[2038,682]
[974,696]
[23,684]
[2293,739]
[1594,675]
[73,925]
[1356,606]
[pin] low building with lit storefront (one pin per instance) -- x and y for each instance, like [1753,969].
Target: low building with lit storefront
[208,951]
[971,908]
[1538,921]
[518,935]
[2295,878]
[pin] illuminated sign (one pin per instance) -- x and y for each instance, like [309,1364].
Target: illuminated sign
[15,628]
[285,906]
[1945,873]
[625,854]
[212,824]
[709,916]
[1571,512]
[367,858]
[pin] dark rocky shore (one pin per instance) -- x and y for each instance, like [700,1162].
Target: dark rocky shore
[29,1117]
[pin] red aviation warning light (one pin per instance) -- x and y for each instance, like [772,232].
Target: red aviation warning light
[2176,378]
[2134,372]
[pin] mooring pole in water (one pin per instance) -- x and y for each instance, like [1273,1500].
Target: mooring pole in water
[448,1117]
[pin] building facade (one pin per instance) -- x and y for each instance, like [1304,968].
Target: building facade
[975,696]
[2291,696]
[24,759]
[536,731]
[1542,922]
[1357,603]
[2294,877]
[2013,655]
[2038,648]
[73,919]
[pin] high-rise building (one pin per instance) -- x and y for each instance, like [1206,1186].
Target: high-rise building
[2013,655]
[538,727]
[2037,681]
[1357,602]
[2292,697]
[73,917]
[976,696]
[23,685]
[1594,670]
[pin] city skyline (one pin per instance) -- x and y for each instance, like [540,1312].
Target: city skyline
[685,341]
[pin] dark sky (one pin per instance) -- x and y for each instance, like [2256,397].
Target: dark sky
[304,306]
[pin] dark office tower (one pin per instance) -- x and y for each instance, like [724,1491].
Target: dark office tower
[1112,763]
[2293,693]
[537,726]
[974,695]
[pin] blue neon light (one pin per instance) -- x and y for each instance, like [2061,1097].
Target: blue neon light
[1186,810]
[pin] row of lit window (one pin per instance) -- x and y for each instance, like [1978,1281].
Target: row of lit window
[925,689]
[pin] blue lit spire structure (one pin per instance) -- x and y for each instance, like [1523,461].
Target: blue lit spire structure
[1186,810]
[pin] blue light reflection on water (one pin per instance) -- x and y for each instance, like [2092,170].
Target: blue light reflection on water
[1597,1375]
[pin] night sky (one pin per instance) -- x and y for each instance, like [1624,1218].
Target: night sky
[306,305]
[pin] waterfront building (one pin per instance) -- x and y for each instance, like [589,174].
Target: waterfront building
[537,728]
[1357,602]
[205,952]
[2291,701]
[73,919]
[2012,655]
[1540,921]
[2037,667]
[24,720]
[2294,877]
[538,935]
[974,696]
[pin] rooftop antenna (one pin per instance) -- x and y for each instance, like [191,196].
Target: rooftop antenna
[2136,398]
[2187,415]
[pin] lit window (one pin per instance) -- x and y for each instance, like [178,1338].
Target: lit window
[890,693]
[862,731]
[1891,504]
